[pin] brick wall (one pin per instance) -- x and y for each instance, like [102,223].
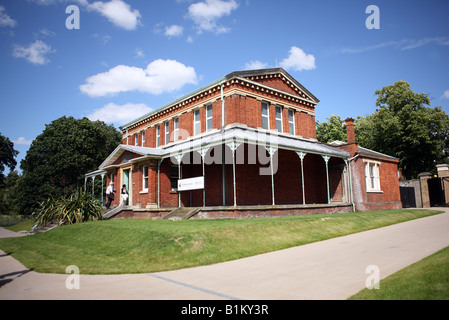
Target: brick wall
[389,198]
[240,108]
[240,212]
[167,197]
[267,212]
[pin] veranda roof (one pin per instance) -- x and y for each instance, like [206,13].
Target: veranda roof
[236,133]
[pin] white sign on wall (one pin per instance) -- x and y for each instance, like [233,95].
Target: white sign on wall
[191,184]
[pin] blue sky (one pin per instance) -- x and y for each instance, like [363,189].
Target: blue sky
[131,56]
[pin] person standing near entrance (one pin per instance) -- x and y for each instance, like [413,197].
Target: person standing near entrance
[124,195]
[109,194]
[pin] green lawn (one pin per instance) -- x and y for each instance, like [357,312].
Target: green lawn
[139,246]
[427,279]
[16,223]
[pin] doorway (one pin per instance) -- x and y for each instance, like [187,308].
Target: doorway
[127,183]
[436,192]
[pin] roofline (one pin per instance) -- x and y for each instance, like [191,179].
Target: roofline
[232,75]
[260,72]
[376,154]
[184,97]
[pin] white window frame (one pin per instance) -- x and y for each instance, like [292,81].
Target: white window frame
[143,138]
[167,133]
[176,129]
[291,123]
[158,136]
[209,116]
[267,116]
[136,140]
[144,178]
[278,120]
[196,123]
[372,176]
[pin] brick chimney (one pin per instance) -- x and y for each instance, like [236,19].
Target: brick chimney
[350,130]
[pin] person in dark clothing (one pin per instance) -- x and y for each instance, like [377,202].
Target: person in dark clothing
[109,194]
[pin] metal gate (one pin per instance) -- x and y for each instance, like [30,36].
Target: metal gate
[436,192]
[408,197]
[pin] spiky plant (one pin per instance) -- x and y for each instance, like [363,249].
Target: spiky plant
[76,208]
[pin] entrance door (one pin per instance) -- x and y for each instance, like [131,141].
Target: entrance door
[436,192]
[127,183]
[408,197]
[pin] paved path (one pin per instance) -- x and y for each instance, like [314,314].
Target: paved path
[5,233]
[331,269]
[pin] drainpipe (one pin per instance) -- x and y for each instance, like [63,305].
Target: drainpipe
[350,159]
[159,161]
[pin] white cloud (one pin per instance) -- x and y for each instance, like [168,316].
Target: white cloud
[159,76]
[44,32]
[82,2]
[103,38]
[5,20]
[34,53]
[255,64]
[445,95]
[205,14]
[298,60]
[117,12]
[404,44]
[174,31]
[22,141]
[139,53]
[112,113]
[49,2]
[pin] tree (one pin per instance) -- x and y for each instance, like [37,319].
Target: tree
[8,194]
[404,127]
[7,154]
[59,158]
[333,130]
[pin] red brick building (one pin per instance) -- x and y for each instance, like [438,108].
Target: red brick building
[249,140]
[375,179]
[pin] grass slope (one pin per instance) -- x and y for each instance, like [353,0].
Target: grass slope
[427,279]
[139,246]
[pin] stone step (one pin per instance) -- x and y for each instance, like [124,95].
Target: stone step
[112,212]
[182,213]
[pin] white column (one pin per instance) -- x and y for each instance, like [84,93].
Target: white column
[233,146]
[203,153]
[326,160]
[271,151]
[102,182]
[301,157]
[179,159]
[349,178]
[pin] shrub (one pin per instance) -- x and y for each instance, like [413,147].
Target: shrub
[76,208]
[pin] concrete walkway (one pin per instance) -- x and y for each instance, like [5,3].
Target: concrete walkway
[331,269]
